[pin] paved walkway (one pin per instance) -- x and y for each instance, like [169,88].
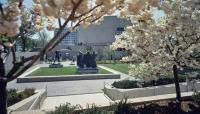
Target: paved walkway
[67,87]
[74,92]
[100,100]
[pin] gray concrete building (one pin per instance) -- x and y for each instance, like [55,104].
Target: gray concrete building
[103,33]
[94,36]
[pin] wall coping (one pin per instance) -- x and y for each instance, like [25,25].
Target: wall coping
[67,78]
[28,101]
[152,87]
[115,93]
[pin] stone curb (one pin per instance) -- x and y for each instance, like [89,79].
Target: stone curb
[117,94]
[67,78]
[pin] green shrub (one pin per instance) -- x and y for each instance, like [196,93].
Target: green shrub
[128,84]
[125,84]
[65,109]
[95,110]
[196,97]
[162,81]
[198,76]
[109,62]
[118,108]
[27,92]
[13,96]
[182,78]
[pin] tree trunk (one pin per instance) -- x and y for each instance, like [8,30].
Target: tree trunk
[3,105]
[178,93]
[3,83]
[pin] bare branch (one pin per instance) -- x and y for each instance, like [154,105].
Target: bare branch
[17,66]
[13,55]
[68,32]
[6,56]
[92,9]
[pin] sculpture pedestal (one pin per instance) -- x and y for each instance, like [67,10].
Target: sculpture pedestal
[58,65]
[87,70]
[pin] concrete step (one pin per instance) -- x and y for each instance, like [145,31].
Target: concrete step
[29,112]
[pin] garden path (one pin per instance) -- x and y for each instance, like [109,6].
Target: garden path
[61,88]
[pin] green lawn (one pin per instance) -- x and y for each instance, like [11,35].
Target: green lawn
[119,67]
[45,71]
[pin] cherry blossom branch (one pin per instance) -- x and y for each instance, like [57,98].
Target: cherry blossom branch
[49,44]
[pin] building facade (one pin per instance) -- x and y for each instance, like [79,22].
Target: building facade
[103,33]
[70,40]
[95,36]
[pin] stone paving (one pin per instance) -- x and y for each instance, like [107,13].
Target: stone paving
[60,88]
[100,100]
[82,92]
[84,100]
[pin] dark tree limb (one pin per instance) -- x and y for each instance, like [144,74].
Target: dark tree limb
[18,65]
[85,13]
[6,56]
[59,22]
[67,33]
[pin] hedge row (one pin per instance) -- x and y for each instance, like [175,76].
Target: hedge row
[128,84]
[13,96]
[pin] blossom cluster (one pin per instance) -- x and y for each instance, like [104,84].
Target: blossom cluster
[156,45]
[9,17]
[44,13]
[142,9]
[75,10]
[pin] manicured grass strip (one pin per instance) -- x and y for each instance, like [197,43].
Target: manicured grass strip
[118,67]
[45,71]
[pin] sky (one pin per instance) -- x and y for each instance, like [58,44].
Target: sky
[29,3]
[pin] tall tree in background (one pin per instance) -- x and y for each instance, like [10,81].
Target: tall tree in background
[77,12]
[166,45]
[42,38]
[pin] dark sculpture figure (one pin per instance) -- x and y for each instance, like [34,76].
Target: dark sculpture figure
[80,63]
[86,60]
[57,56]
[93,60]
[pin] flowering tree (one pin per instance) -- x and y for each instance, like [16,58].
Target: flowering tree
[157,45]
[43,14]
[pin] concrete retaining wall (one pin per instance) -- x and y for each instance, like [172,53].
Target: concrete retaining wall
[118,94]
[39,100]
[67,78]
[30,103]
